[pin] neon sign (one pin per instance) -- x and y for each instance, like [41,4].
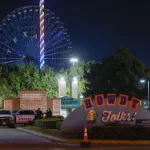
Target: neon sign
[108,116]
[111,100]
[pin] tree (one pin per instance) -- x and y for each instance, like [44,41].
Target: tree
[117,73]
[19,77]
[92,76]
[78,70]
[48,81]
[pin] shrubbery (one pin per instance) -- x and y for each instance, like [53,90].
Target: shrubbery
[31,123]
[121,132]
[58,125]
[48,123]
[11,126]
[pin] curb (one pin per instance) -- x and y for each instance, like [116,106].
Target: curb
[43,135]
[114,142]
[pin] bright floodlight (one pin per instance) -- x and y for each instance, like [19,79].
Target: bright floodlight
[142,81]
[74,60]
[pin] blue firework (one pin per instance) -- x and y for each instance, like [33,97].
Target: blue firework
[20,38]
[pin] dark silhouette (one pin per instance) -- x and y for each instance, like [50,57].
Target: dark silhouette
[39,113]
[49,113]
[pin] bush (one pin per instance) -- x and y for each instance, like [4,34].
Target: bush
[121,132]
[11,126]
[31,123]
[47,123]
[58,125]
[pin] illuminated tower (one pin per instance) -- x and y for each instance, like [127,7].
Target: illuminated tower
[42,43]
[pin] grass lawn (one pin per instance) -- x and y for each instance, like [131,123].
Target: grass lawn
[52,132]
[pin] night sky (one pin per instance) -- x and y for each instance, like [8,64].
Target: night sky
[97,27]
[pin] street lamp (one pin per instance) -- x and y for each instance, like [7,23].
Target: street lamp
[143,81]
[74,60]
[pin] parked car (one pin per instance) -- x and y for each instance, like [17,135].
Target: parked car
[6,117]
[24,116]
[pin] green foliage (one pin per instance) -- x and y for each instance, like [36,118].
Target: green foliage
[19,77]
[47,123]
[58,125]
[11,126]
[77,70]
[31,123]
[118,73]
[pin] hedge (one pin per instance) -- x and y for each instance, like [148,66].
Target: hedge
[47,123]
[120,132]
[58,125]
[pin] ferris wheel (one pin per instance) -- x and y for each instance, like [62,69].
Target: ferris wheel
[20,38]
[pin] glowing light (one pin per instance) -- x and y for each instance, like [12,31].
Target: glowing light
[74,60]
[42,42]
[142,81]
[41,22]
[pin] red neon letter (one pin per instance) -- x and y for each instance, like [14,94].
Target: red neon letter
[134,103]
[111,99]
[123,100]
[88,104]
[99,99]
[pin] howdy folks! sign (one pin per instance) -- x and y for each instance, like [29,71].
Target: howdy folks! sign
[111,100]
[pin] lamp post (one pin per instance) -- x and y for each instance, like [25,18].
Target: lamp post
[143,81]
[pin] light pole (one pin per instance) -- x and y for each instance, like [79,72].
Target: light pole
[143,81]
[74,60]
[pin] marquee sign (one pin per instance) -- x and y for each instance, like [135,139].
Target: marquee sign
[111,100]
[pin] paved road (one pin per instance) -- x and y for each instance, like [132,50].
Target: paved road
[15,136]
